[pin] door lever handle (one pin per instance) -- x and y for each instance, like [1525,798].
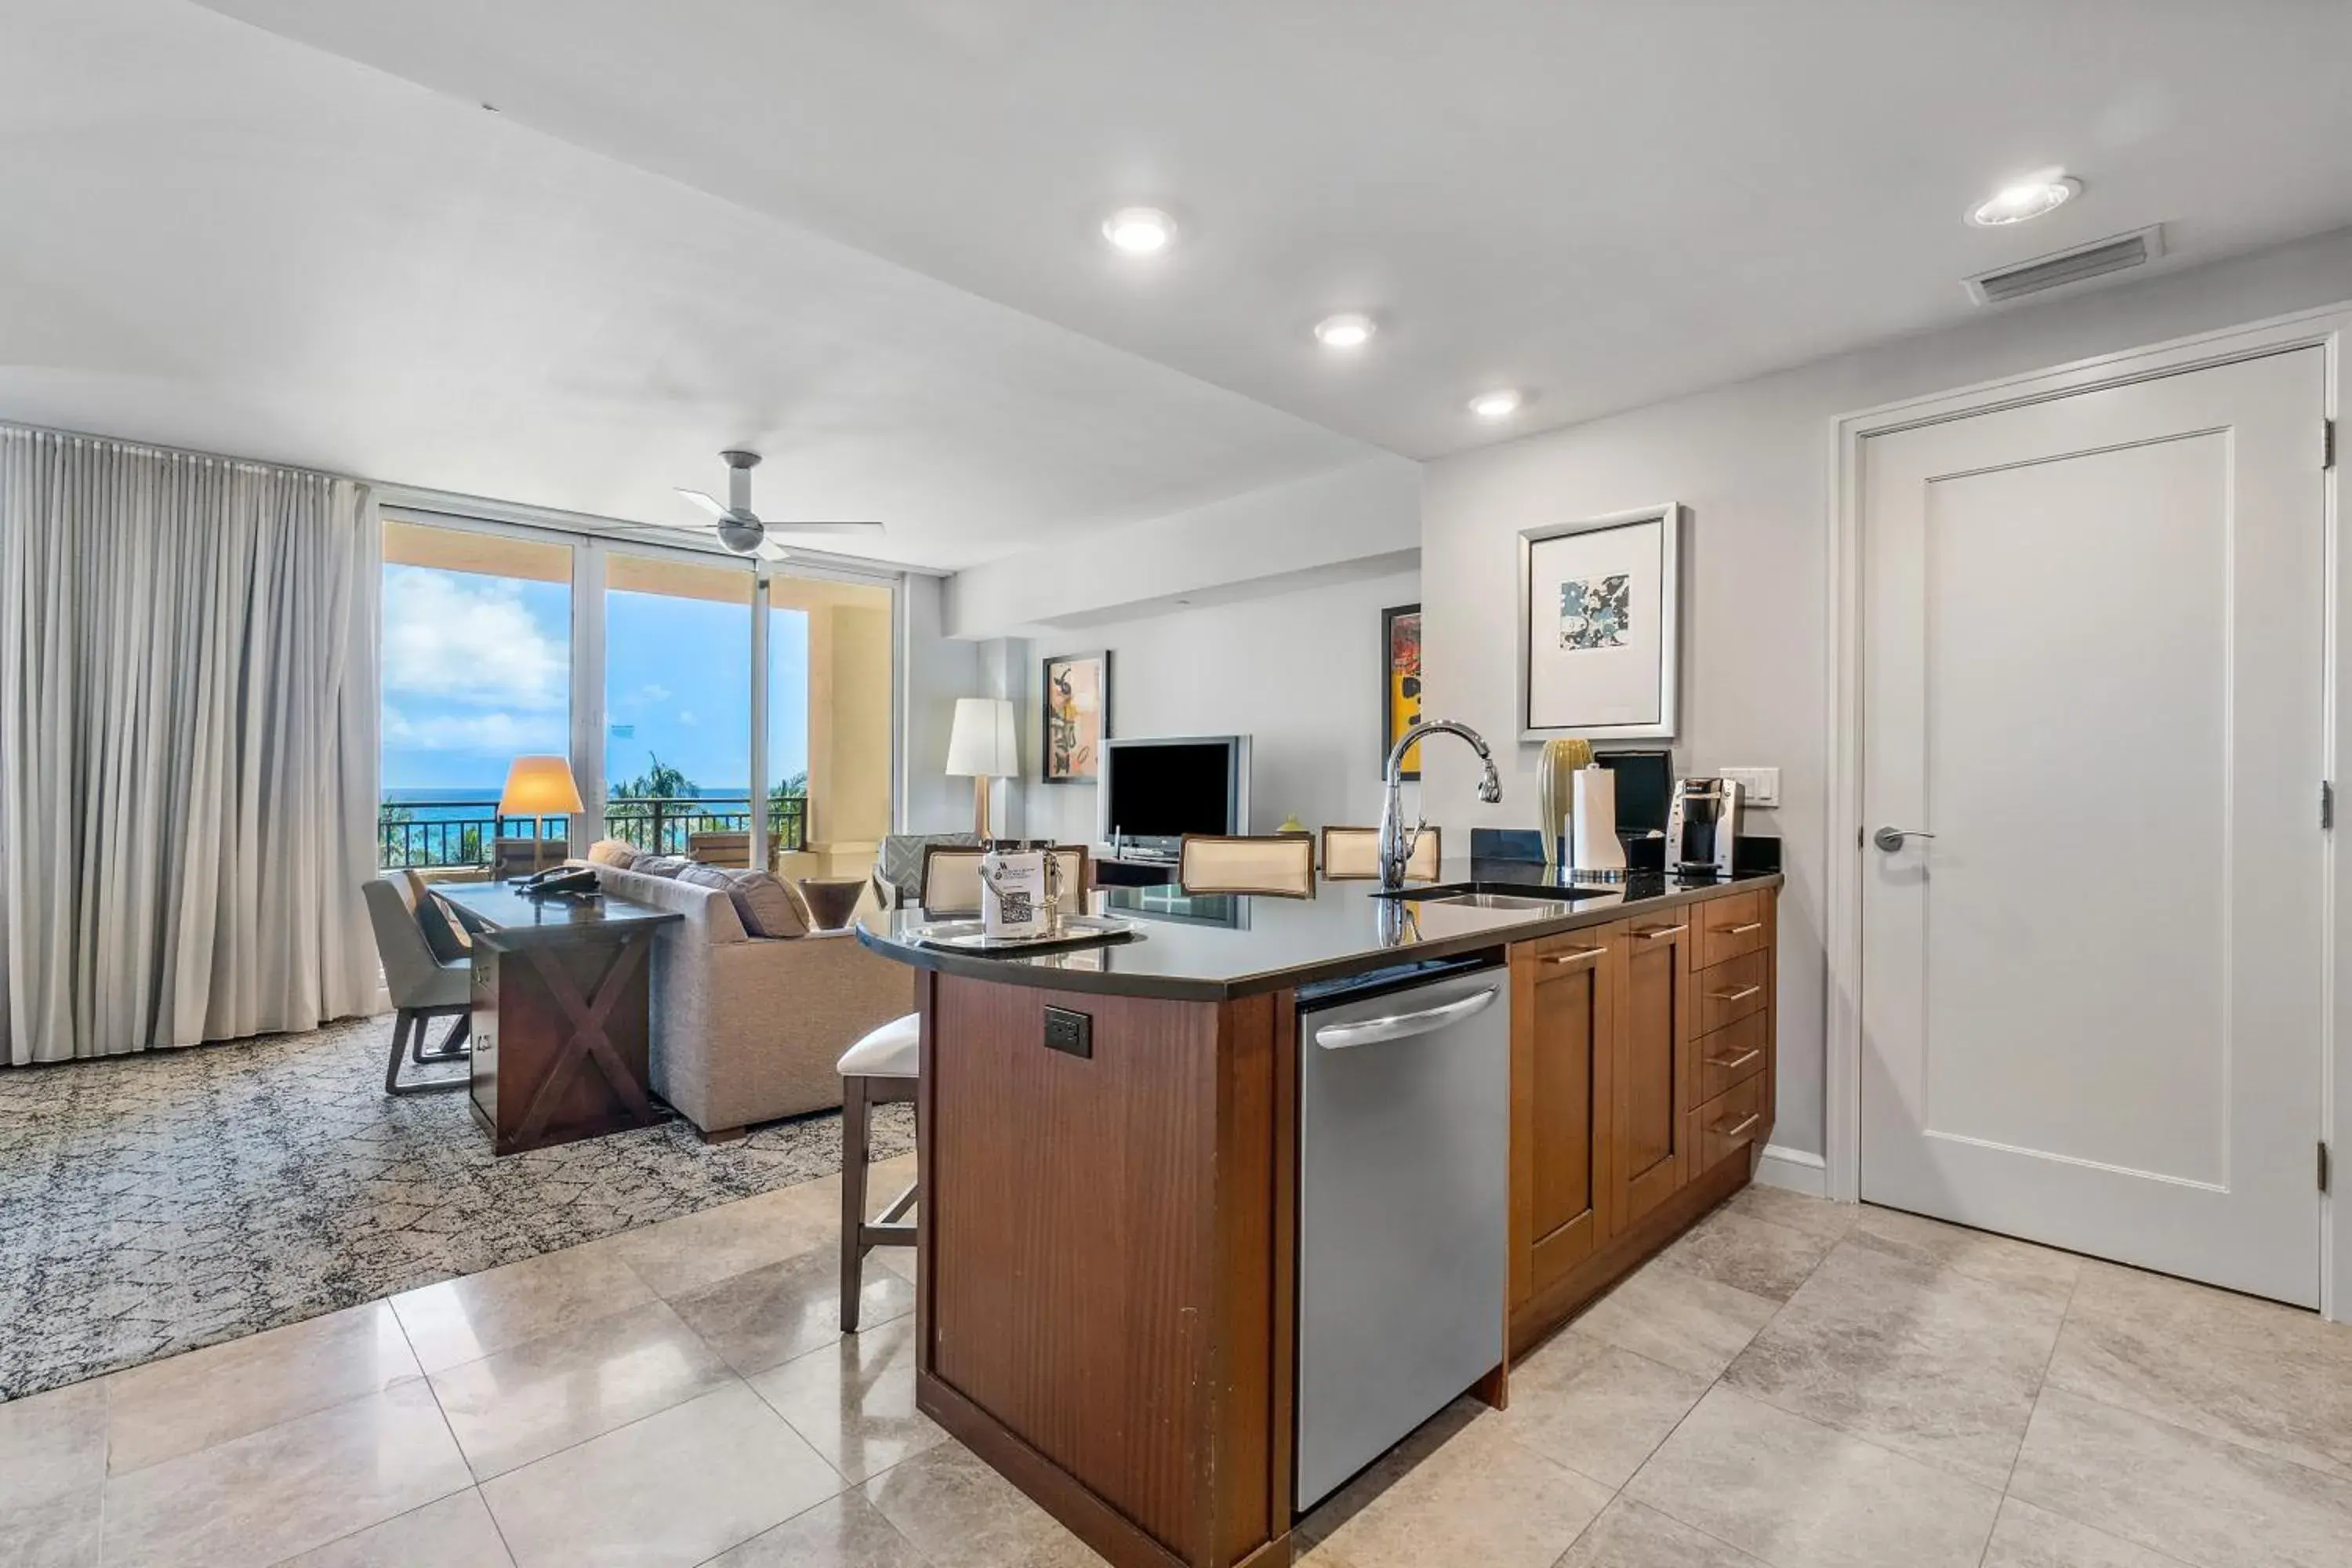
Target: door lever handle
[1891,838]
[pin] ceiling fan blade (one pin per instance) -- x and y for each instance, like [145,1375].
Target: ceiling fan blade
[770,550]
[707,504]
[824,526]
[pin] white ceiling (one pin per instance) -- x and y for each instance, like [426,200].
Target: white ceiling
[862,237]
[1607,203]
[218,238]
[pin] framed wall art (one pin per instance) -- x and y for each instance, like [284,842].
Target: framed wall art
[1400,682]
[1598,604]
[1076,692]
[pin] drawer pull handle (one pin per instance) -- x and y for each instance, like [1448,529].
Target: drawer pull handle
[1580,954]
[1742,995]
[1741,1060]
[1655,932]
[1753,1118]
[1743,930]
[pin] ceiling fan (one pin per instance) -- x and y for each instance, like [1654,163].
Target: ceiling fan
[741,528]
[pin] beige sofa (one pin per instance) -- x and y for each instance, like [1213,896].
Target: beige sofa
[747,1029]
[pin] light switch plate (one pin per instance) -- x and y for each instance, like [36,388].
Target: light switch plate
[1759,786]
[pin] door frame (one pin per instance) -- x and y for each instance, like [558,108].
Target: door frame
[2325,327]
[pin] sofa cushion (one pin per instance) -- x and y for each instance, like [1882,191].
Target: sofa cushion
[615,852]
[659,865]
[710,913]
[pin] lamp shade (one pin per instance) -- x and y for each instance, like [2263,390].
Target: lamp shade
[982,744]
[540,786]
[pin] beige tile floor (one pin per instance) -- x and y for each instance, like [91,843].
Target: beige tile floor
[1792,1383]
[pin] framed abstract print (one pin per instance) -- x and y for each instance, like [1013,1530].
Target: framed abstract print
[1077,692]
[1598,604]
[1400,682]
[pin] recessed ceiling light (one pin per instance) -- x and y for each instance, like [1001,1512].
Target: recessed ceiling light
[1348,330]
[1139,231]
[1499,405]
[2026,198]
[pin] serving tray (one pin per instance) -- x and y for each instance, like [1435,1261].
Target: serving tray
[968,936]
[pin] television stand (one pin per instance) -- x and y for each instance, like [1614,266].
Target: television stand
[1112,871]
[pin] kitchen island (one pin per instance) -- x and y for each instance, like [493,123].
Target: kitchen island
[1109,1147]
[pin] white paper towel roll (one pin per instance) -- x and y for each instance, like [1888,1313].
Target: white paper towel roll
[1592,843]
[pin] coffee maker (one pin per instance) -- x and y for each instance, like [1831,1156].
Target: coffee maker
[1702,827]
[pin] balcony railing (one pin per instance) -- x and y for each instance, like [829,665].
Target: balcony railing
[464,832]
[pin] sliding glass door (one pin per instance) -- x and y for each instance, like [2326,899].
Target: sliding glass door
[677,706]
[477,640]
[708,706]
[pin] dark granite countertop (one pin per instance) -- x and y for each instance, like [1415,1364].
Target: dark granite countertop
[1217,947]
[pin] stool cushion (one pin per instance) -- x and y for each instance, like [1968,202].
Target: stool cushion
[894,1050]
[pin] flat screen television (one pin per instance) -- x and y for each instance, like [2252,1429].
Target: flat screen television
[1155,792]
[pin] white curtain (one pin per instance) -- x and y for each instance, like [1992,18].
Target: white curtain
[187,747]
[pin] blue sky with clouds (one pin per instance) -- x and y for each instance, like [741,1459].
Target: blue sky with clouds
[476,671]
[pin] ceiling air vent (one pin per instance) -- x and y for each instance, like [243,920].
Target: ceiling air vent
[2095,259]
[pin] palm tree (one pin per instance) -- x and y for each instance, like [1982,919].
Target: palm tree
[658,783]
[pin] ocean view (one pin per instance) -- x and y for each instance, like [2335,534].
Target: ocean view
[471,804]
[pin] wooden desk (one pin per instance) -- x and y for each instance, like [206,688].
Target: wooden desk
[562,1005]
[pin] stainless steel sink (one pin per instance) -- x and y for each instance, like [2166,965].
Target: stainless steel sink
[1493,901]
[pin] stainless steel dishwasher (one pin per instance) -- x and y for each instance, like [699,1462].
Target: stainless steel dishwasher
[1404,1140]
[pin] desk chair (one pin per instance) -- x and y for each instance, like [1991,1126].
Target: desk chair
[422,987]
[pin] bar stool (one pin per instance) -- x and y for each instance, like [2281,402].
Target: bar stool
[879,1070]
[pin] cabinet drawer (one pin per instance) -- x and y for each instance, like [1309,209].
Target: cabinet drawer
[1568,950]
[1730,991]
[1732,1055]
[1729,927]
[1728,1124]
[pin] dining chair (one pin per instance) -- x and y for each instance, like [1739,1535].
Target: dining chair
[1278,865]
[517,856]
[1353,854]
[729,850]
[423,987]
[951,880]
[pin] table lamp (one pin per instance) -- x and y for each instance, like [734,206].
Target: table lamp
[982,746]
[540,787]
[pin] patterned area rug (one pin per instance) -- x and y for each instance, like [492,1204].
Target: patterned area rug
[152,1204]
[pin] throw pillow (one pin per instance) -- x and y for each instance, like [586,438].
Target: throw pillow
[660,865]
[615,852]
[767,905]
[447,939]
[763,904]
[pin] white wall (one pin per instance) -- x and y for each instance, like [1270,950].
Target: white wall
[938,670]
[1298,672]
[1752,463]
[1321,524]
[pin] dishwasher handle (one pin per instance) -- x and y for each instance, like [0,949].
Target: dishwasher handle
[1403,1025]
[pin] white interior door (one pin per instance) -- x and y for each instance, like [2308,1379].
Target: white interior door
[2092,1001]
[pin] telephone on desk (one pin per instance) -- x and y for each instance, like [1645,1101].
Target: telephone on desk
[561,882]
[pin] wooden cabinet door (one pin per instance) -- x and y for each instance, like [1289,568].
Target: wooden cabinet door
[1563,1023]
[1650,1156]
